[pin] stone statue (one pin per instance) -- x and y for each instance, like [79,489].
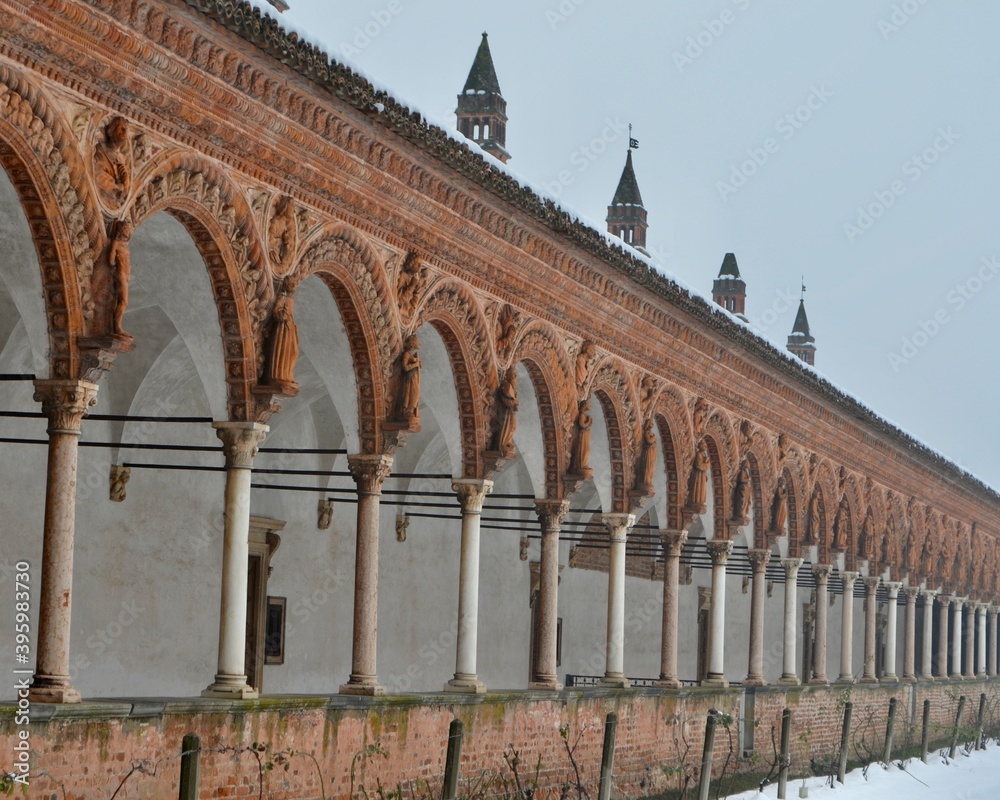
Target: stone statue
[402,523]
[579,459]
[813,531]
[865,539]
[699,416]
[839,521]
[779,506]
[284,342]
[324,514]
[584,361]
[503,437]
[741,494]
[282,235]
[409,284]
[698,480]
[408,396]
[119,477]
[120,261]
[645,464]
[113,163]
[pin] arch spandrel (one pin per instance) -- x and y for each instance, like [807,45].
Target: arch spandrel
[43,160]
[611,386]
[219,221]
[452,309]
[540,349]
[351,269]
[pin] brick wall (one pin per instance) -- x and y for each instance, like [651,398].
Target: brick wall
[86,751]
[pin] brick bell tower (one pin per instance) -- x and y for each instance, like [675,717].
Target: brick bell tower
[800,342]
[730,290]
[626,214]
[482,111]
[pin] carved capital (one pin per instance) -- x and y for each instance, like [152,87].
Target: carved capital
[718,551]
[471,493]
[240,441]
[893,588]
[619,525]
[551,514]
[822,573]
[929,595]
[958,603]
[871,585]
[945,600]
[673,542]
[759,558]
[65,403]
[848,579]
[911,595]
[369,470]
[791,566]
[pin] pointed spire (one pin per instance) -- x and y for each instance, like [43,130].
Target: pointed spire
[730,290]
[801,342]
[801,321]
[729,268]
[483,76]
[627,192]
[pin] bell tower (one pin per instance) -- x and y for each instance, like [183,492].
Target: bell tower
[626,214]
[730,290]
[482,111]
[800,342]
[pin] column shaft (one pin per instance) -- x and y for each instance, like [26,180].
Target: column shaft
[910,636]
[871,587]
[943,639]
[718,551]
[981,635]
[65,403]
[956,638]
[755,665]
[892,607]
[240,441]
[822,572]
[788,674]
[471,494]
[544,676]
[991,661]
[847,628]
[969,660]
[673,545]
[614,672]
[926,660]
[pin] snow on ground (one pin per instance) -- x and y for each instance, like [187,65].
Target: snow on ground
[975,776]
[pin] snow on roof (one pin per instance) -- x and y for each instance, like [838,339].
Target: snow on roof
[294,22]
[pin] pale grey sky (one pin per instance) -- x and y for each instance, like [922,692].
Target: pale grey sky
[865,103]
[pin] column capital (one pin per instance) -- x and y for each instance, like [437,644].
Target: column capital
[848,578]
[871,584]
[958,602]
[929,594]
[471,493]
[65,403]
[791,564]
[911,594]
[719,550]
[240,441]
[369,470]
[893,587]
[758,558]
[551,513]
[822,572]
[618,525]
[945,599]
[673,541]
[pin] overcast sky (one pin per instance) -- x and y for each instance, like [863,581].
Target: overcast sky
[853,143]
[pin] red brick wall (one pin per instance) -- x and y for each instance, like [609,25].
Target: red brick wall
[89,751]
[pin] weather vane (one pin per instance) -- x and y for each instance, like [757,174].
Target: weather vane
[803,282]
[633,144]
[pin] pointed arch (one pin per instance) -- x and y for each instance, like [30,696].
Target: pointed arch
[723,452]
[344,260]
[670,411]
[453,311]
[610,385]
[796,477]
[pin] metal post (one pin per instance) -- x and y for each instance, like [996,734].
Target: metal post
[958,722]
[190,764]
[705,779]
[889,729]
[845,738]
[453,759]
[786,732]
[608,756]
[925,733]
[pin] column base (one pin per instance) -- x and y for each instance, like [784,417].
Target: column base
[231,687]
[789,680]
[868,679]
[667,683]
[363,687]
[465,684]
[909,679]
[754,680]
[819,680]
[544,685]
[615,682]
[888,679]
[714,679]
[845,679]
[47,689]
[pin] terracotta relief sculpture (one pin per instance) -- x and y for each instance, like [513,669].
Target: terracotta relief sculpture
[699,416]
[579,462]
[503,438]
[119,477]
[282,235]
[839,521]
[284,341]
[584,361]
[698,481]
[324,514]
[741,494]
[113,163]
[120,261]
[813,523]
[410,283]
[779,506]
[506,329]
[408,396]
[645,464]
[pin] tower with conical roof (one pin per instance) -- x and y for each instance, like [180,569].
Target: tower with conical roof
[482,111]
[626,214]
[800,342]
[730,290]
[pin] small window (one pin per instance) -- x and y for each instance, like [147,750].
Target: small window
[274,641]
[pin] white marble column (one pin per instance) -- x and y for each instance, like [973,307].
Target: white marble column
[718,551]
[847,628]
[944,641]
[618,526]
[910,636]
[64,403]
[789,677]
[981,634]
[369,472]
[956,637]
[673,545]
[871,588]
[544,674]
[969,650]
[471,494]
[755,666]
[991,661]
[240,441]
[892,607]
[927,656]
[822,573]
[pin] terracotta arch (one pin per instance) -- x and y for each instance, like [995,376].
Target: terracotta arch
[540,349]
[677,440]
[215,214]
[39,153]
[760,457]
[797,483]
[452,309]
[342,258]
[611,386]
[723,453]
